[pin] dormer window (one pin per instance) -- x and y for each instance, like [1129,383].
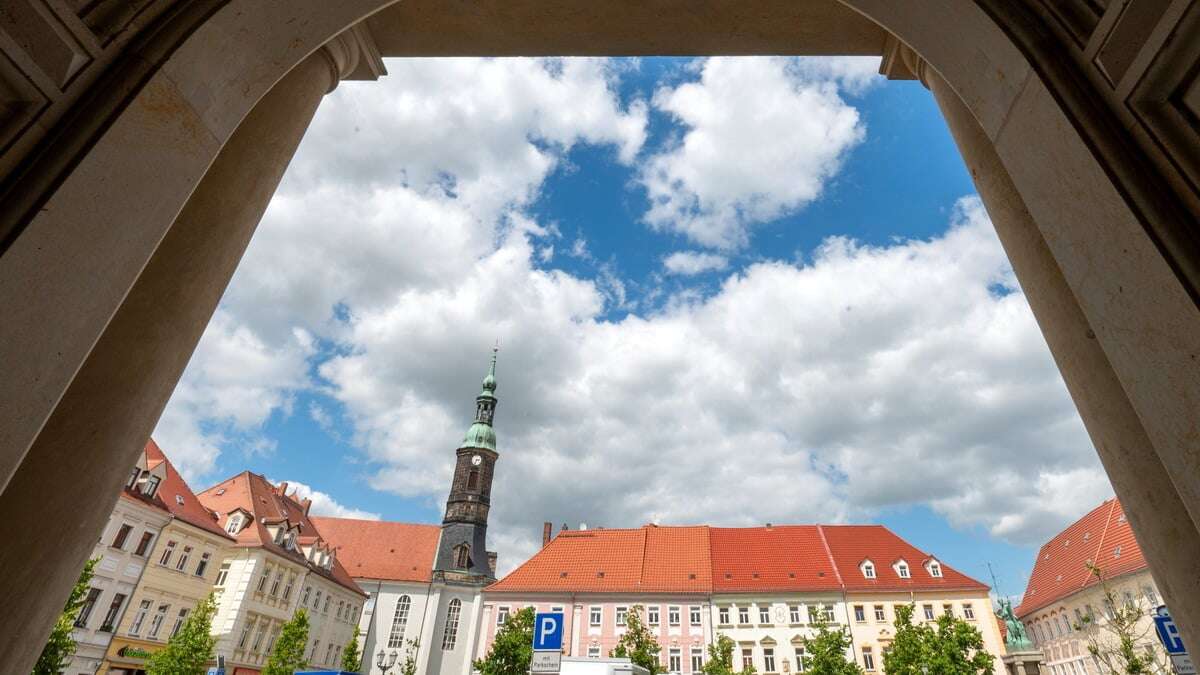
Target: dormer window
[234,524]
[868,569]
[151,485]
[935,569]
[133,477]
[902,570]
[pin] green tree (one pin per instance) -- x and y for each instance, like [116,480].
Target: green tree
[190,650]
[351,661]
[638,644]
[1122,644]
[288,655]
[825,652]
[60,646]
[720,658]
[513,647]
[951,646]
[409,665]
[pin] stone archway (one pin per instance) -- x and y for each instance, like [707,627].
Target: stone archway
[119,235]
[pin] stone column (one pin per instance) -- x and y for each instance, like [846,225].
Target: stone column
[1155,508]
[74,470]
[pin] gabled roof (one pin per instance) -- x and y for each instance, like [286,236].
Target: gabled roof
[178,498]
[269,503]
[785,557]
[703,559]
[376,549]
[850,545]
[649,559]
[1061,565]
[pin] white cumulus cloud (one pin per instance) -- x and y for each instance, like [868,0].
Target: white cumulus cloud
[323,504]
[694,262]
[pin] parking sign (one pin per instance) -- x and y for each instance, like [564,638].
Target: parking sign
[1168,632]
[548,632]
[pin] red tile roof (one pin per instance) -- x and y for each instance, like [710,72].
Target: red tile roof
[648,559]
[702,559]
[270,504]
[178,498]
[1061,565]
[376,549]
[850,545]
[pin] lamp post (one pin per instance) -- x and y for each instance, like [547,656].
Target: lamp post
[386,661]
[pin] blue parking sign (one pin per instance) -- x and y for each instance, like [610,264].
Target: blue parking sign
[1168,632]
[548,631]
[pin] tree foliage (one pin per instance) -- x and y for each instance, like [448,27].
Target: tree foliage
[1122,644]
[351,661]
[720,658]
[409,665]
[189,650]
[512,648]
[826,651]
[60,646]
[638,644]
[288,655]
[951,646]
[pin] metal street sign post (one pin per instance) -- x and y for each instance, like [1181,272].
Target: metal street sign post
[1168,634]
[547,643]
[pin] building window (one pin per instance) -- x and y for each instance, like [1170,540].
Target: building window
[202,566]
[183,558]
[399,621]
[462,556]
[85,610]
[275,584]
[747,658]
[113,613]
[143,547]
[674,660]
[697,659]
[868,659]
[621,614]
[880,614]
[179,622]
[594,617]
[593,651]
[264,578]
[249,626]
[325,609]
[329,653]
[1110,611]
[902,569]
[969,611]
[273,638]
[794,613]
[935,569]
[140,617]
[1151,596]
[156,623]
[222,574]
[258,637]
[234,524]
[743,615]
[122,535]
[151,485]
[341,607]
[304,599]
[827,611]
[473,480]
[316,645]
[928,612]
[450,634]
[165,558]
[1128,597]
[1066,624]
[723,616]
[764,615]
[801,660]
[860,613]
[814,614]
[948,610]
[868,569]
[501,615]
[694,615]
[768,659]
[133,478]
[287,589]
[673,615]
[652,615]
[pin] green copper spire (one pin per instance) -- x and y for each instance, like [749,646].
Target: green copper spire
[481,434]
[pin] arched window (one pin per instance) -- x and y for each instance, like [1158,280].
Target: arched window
[450,634]
[462,556]
[234,523]
[399,620]
[473,480]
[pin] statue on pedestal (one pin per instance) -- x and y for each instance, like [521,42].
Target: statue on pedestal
[1017,639]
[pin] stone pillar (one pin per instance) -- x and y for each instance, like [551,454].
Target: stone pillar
[1154,506]
[74,469]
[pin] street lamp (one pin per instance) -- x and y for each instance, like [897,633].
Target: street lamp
[386,661]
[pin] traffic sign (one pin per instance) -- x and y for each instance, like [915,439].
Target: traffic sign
[548,632]
[1168,632]
[546,662]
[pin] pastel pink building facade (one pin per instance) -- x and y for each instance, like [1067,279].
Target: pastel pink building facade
[595,622]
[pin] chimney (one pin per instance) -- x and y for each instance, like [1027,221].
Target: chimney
[282,490]
[492,556]
[565,527]
[307,504]
[546,527]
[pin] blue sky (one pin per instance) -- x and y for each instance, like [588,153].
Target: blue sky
[732,291]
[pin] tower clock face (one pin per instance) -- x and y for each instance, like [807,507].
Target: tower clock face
[476,460]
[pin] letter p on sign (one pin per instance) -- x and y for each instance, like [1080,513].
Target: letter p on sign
[548,631]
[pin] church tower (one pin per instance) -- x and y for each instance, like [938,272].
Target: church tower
[462,552]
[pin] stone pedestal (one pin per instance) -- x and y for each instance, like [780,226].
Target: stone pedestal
[1025,662]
